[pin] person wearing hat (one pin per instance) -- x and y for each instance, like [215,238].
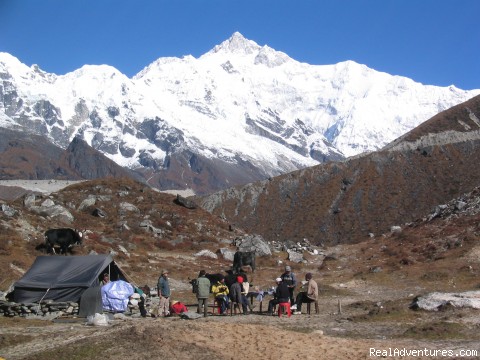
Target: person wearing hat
[288,277]
[308,296]
[177,307]
[236,295]
[163,287]
[282,294]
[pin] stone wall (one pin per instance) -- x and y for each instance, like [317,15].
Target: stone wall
[44,308]
[51,309]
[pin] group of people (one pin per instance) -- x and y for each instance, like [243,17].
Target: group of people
[234,292]
[225,294]
[284,292]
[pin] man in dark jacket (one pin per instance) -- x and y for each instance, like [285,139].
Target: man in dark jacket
[236,295]
[282,294]
[288,277]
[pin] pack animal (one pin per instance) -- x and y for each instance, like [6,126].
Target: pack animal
[62,239]
[243,258]
[214,278]
[231,277]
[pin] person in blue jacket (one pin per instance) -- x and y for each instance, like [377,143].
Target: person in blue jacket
[164,293]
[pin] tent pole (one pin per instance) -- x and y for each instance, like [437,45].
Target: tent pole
[125,275]
[40,302]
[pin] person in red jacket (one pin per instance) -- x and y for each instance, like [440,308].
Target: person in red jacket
[178,307]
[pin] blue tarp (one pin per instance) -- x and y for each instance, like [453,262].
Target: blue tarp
[115,295]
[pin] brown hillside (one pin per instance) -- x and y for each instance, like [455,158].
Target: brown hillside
[375,282]
[345,202]
[141,237]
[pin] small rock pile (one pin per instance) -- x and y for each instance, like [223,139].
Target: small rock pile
[295,250]
[467,204]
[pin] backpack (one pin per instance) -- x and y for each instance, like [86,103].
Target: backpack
[194,286]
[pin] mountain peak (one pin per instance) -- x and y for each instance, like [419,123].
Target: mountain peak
[13,65]
[237,44]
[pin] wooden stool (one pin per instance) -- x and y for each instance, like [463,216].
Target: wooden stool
[316,307]
[282,306]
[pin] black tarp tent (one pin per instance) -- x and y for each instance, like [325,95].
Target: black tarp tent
[64,278]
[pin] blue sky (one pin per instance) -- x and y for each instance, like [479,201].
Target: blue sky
[435,42]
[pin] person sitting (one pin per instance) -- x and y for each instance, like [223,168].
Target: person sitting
[245,291]
[308,296]
[236,295]
[220,293]
[177,307]
[282,295]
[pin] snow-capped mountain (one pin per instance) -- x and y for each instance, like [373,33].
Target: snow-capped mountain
[245,110]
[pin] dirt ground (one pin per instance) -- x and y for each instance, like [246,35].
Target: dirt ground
[354,321]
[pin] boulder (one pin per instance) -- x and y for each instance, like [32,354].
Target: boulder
[295,256]
[227,254]
[8,211]
[206,253]
[189,204]
[437,301]
[253,243]
[125,206]
[90,201]
[56,211]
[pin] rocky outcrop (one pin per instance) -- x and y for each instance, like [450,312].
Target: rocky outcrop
[437,301]
[254,243]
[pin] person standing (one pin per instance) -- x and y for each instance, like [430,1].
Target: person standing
[308,296]
[203,291]
[288,277]
[282,295]
[164,293]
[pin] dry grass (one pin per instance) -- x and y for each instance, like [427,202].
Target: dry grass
[375,280]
